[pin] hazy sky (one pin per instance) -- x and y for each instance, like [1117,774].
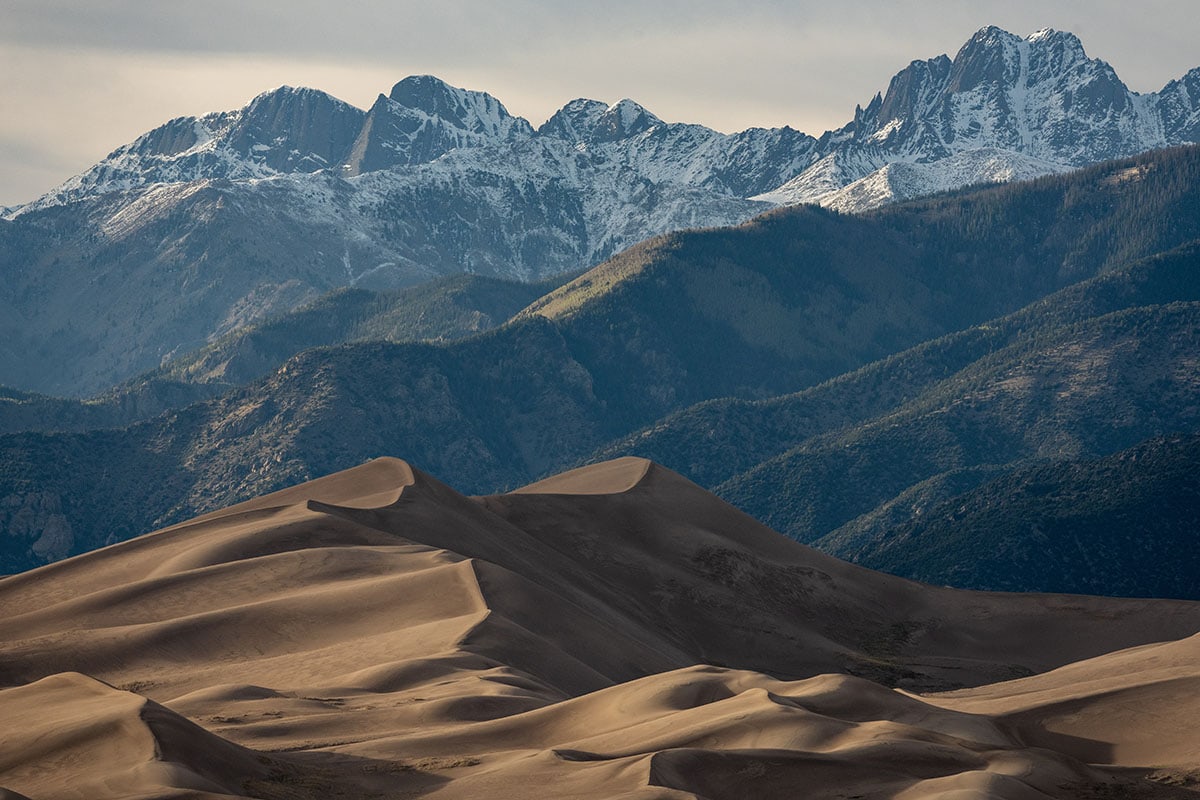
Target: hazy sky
[81,77]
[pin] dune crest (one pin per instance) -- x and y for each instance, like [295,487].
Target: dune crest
[612,632]
[379,482]
[610,477]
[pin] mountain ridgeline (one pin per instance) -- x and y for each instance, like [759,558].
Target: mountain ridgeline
[440,310]
[945,319]
[208,224]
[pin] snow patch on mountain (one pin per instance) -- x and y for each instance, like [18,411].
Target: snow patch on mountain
[904,180]
[828,175]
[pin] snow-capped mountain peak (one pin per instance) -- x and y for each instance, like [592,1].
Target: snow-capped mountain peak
[585,121]
[910,95]
[1005,107]
[295,130]
[575,122]
[285,130]
[1064,39]
[1039,97]
[624,119]
[473,111]
[423,118]
[990,57]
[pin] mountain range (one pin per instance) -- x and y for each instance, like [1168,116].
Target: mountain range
[207,224]
[614,631]
[832,374]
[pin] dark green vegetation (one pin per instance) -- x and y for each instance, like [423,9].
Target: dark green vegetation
[1126,524]
[786,303]
[1089,370]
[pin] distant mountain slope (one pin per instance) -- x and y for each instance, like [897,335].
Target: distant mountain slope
[1122,525]
[785,302]
[443,309]
[744,433]
[209,223]
[1093,369]
[25,411]
[440,310]
[1103,385]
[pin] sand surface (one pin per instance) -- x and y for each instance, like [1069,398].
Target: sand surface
[615,631]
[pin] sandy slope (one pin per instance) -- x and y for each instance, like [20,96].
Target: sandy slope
[613,631]
[1137,707]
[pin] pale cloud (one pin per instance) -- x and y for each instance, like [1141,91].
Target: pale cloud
[83,77]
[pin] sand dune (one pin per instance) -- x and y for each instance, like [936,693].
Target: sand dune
[1138,707]
[611,632]
[78,737]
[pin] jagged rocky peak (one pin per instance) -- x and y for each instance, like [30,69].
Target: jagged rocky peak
[1009,106]
[871,112]
[1054,52]
[169,139]
[477,112]
[289,107]
[989,58]
[623,119]
[1179,108]
[996,60]
[576,121]
[296,130]
[285,130]
[910,92]
[423,118]
[1040,95]
[1057,58]
[591,121]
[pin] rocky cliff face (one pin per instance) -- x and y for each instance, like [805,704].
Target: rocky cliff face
[422,119]
[34,521]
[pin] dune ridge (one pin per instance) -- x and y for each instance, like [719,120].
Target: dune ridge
[615,631]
